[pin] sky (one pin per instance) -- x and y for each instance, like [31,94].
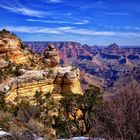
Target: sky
[93,22]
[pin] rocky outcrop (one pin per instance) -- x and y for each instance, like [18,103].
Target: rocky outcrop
[51,78]
[51,57]
[11,48]
[57,81]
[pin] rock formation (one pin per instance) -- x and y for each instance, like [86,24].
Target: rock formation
[10,48]
[52,78]
[51,57]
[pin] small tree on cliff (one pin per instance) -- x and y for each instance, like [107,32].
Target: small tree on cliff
[17,71]
[38,98]
[80,111]
[89,104]
[69,117]
[44,105]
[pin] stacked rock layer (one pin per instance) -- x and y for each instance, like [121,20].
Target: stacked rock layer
[52,78]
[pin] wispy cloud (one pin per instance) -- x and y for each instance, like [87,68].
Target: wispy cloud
[80,22]
[95,4]
[69,30]
[128,28]
[118,13]
[29,29]
[137,28]
[20,9]
[53,1]
[68,14]
[89,32]
[47,21]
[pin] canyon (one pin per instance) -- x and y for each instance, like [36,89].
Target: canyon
[51,90]
[108,67]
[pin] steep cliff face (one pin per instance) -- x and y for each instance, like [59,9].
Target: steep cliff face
[52,78]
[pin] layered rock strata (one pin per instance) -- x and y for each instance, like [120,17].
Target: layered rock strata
[53,78]
[57,81]
[10,48]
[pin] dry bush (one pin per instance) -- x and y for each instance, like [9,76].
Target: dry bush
[120,117]
[40,130]
[16,127]
[36,127]
[5,119]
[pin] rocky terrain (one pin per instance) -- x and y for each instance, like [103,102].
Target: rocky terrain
[23,73]
[41,96]
[10,49]
[101,66]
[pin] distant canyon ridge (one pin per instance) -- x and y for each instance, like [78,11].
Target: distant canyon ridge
[106,67]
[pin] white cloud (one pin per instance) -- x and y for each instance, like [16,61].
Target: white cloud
[69,30]
[53,1]
[128,28]
[80,22]
[137,28]
[118,13]
[48,21]
[89,32]
[19,9]
[29,29]
[68,14]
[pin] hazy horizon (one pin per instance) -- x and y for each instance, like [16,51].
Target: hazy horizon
[100,46]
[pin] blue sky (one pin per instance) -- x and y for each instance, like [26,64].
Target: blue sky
[99,22]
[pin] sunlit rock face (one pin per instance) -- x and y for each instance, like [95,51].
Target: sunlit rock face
[50,78]
[57,81]
[10,48]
